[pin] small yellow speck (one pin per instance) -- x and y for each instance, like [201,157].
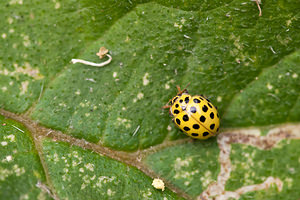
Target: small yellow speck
[77,92]
[269,86]
[140,95]
[10,20]
[158,184]
[57,5]
[295,75]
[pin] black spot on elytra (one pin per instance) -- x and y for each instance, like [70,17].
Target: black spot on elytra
[193,109]
[212,126]
[195,134]
[212,115]
[196,101]
[175,99]
[202,119]
[196,126]
[177,121]
[218,115]
[186,128]
[209,105]
[205,134]
[204,108]
[185,118]
[186,99]
[176,105]
[176,111]
[180,101]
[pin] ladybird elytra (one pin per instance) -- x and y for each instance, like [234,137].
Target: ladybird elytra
[195,115]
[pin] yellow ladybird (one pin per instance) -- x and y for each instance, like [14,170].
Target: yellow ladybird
[194,115]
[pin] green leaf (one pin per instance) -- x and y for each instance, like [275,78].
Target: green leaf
[247,65]
[191,167]
[82,174]
[252,166]
[20,166]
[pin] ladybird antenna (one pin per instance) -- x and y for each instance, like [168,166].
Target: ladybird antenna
[185,89]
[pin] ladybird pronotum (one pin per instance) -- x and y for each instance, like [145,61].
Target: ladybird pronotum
[195,115]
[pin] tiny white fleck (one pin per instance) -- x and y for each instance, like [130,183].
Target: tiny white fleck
[24,87]
[4,143]
[57,5]
[81,170]
[169,128]
[3,35]
[145,79]
[115,74]
[167,86]
[11,30]
[219,99]
[4,89]
[295,75]
[140,95]
[10,20]
[87,114]
[269,86]
[11,137]
[110,192]
[89,166]
[77,92]
[9,158]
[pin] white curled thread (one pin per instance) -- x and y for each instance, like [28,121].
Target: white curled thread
[91,63]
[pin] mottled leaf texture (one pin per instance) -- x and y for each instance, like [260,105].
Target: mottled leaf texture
[101,133]
[82,174]
[20,166]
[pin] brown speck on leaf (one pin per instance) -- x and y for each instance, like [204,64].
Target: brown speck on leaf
[102,52]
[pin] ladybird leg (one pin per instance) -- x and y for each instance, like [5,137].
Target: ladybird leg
[166,106]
